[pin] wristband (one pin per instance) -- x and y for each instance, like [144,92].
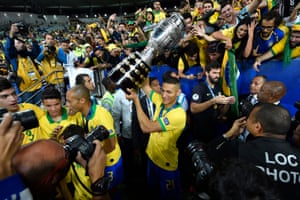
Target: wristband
[101,186]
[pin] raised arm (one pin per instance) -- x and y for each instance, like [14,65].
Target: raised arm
[249,45]
[275,50]
[146,87]
[218,35]
[253,6]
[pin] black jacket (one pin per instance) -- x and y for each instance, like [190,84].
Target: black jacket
[276,157]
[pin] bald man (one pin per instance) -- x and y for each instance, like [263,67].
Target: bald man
[271,92]
[42,164]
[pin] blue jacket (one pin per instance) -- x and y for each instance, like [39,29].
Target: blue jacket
[12,54]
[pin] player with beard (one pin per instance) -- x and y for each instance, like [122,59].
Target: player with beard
[208,105]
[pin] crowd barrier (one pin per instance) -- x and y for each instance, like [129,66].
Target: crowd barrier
[273,69]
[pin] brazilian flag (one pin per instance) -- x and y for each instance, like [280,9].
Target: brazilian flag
[229,75]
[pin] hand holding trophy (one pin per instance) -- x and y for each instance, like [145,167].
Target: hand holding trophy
[132,71]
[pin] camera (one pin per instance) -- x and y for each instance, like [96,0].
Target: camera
[22,28]
[245,107]
[51,49]
[201,164]
[84,145]
[27,118]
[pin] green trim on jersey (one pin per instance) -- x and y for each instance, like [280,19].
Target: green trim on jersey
[64,116]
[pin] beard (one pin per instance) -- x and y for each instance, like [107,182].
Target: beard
[23,53]
[213,80]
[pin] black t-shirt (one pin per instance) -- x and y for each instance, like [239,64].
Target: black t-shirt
[204,124]
[276,157]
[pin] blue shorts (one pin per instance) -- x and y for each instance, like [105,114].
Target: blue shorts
[166,183]
[115,174]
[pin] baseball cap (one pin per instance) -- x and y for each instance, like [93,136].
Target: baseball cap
[149,10]
[20,38]
[112,47]
[296,27]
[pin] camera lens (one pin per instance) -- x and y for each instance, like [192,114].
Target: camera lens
[85,145]
[27,118]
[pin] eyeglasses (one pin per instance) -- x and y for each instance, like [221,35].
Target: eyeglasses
[267,27]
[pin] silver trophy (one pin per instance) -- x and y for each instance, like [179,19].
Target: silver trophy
[132,71]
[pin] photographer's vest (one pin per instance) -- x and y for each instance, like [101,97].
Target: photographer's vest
[52,71]
[29,75]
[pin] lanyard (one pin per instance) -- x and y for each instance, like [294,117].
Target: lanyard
[212,93]
[210,90]
[150,107]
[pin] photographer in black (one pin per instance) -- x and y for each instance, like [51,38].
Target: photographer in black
[268,150]
[238,180]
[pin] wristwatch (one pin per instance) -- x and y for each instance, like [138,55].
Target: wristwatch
[101,186]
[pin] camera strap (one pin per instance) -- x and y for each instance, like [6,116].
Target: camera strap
[211,90]
[81,183]
[86,125]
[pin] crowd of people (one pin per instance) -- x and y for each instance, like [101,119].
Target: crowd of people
[139,135]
